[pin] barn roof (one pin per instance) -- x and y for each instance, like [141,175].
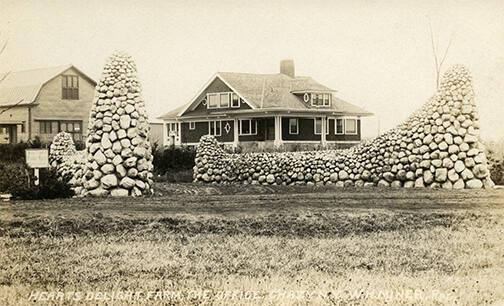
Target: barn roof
[23,87]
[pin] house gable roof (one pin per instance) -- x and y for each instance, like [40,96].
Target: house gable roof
[272,92]
[23,87]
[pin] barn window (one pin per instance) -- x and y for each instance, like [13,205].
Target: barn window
[70,87]
[45,127]
[72,127]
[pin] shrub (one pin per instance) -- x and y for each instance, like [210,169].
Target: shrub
[13,152]
[173,159]
[495,156]
[14,177]
[17,179]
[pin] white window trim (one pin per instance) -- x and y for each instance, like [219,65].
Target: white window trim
[227,94]
[192,125]
[356,126]
[325,97]
[315,126]
[297,126]
[208,100]
[250,127]
[214,122]
[219,94]
[239,102]
[336,126]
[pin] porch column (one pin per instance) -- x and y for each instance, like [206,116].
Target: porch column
[165,134]
[178,139]
[278,131]
[323,141]
[235,133]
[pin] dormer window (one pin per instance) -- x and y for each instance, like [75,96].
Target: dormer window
[320,99]
[223,100]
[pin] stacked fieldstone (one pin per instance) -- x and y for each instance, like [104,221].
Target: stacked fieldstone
[119,157]
[72,167]
[437,147]
[62,146]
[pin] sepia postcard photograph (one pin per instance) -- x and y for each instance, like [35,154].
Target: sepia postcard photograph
[269,152]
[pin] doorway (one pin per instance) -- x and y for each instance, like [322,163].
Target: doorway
[270,128]
[8,133]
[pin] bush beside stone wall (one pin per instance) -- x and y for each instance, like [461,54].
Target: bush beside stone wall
[437,147]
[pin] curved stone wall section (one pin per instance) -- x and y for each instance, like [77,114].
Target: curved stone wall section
[438,147]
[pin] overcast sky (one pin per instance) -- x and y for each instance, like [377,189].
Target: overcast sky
[376,54]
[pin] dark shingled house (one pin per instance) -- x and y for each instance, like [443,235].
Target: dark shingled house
[277,109]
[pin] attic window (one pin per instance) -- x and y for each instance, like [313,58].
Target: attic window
[221,100]
[235,101]
[70,87]
[320,99]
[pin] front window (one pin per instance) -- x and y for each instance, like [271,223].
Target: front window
[339,127]
[293,126]
[172,128]
[70,87]
[248,127]
[192,125]
[350,126]
[214,128]
[318,126]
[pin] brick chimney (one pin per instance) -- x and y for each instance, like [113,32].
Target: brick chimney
[287,68]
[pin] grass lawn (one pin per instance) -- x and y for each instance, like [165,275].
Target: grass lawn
[234,245]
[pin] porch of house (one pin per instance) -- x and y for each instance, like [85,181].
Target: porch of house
[277,130]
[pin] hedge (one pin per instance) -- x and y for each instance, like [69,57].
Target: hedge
[173,159]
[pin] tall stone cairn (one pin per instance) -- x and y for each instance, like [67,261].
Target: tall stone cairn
[119,156]
[438,146]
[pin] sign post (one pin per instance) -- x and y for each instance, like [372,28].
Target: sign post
[36,159]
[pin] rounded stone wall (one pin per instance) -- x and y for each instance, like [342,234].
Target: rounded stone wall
[438,146]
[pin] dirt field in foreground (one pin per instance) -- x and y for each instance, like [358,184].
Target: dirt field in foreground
[257,245]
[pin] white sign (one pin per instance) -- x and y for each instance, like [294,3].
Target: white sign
[37,158]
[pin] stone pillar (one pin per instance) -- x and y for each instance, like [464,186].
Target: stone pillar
[235,133]
[278,131]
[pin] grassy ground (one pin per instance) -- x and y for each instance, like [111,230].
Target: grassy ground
[257,245]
